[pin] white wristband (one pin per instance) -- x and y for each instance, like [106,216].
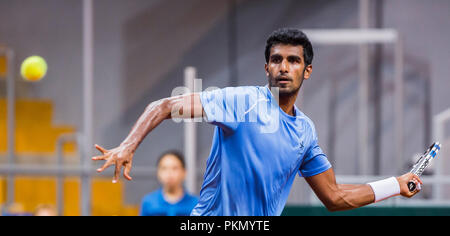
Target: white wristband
[385,188]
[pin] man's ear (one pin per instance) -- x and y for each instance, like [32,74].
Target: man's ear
[266,68]
[308,72]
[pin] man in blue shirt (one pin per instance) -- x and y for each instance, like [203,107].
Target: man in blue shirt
[257,149]
[171,199]
[261,141]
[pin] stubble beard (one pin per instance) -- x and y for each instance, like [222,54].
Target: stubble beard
[285,91]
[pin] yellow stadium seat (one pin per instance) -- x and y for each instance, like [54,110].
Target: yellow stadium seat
[3,67]
[35,134]
[72,196]
[34,130]
[2,191]
[32,191]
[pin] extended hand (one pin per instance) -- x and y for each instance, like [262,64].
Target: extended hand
[120,156]
[404,180]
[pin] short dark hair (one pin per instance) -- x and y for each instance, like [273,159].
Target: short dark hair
[290,36]
[174,153]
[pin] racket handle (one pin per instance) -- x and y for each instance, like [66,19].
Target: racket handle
[411,186]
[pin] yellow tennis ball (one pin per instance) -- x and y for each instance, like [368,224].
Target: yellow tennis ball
[34,68]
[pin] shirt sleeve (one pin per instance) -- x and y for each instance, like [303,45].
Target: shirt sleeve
[226,107]
[315,161]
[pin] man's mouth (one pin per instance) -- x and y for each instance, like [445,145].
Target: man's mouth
[283,79]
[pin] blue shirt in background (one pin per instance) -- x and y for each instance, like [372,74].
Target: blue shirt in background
[154,204]
[257,150]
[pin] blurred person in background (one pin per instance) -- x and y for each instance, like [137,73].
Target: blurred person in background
[171,199]
[45,210]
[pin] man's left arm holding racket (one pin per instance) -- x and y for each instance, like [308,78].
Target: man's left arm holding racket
[338,197]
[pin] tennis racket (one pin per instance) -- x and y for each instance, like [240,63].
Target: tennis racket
[423,162]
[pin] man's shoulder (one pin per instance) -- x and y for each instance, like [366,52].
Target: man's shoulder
[255,89]
[252,92]
[306,121]
[239,94]
[241,90]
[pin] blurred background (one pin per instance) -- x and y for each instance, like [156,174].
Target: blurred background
[378,95]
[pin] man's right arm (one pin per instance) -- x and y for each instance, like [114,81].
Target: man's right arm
[184,106]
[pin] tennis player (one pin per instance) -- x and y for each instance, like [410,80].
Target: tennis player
[261,141]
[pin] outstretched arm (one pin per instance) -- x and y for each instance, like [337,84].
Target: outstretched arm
[338,197]
[185,106]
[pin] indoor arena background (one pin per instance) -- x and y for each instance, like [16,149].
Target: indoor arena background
[108,59]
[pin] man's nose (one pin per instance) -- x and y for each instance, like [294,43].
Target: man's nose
[284,67]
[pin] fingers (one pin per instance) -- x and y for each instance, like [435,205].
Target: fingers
[117,170]
[117,158]
[117,173]
[419,186]
[126,172]
[418,182]
[106,165]
[418,179]
[417,190]
[101,149]
[99,158]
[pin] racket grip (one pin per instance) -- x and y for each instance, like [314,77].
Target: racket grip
[411,186]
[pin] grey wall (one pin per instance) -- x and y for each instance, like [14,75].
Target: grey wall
[143,46]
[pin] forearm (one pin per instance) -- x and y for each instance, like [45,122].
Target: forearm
[350,196]
[338,197]
[183,107]
[153,115]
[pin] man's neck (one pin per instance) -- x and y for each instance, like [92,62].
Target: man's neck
[287,102]
[173,195]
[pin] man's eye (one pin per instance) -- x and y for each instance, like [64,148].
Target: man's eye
[294,60]
[276,60]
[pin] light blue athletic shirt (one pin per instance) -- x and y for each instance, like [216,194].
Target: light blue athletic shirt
[256,152]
